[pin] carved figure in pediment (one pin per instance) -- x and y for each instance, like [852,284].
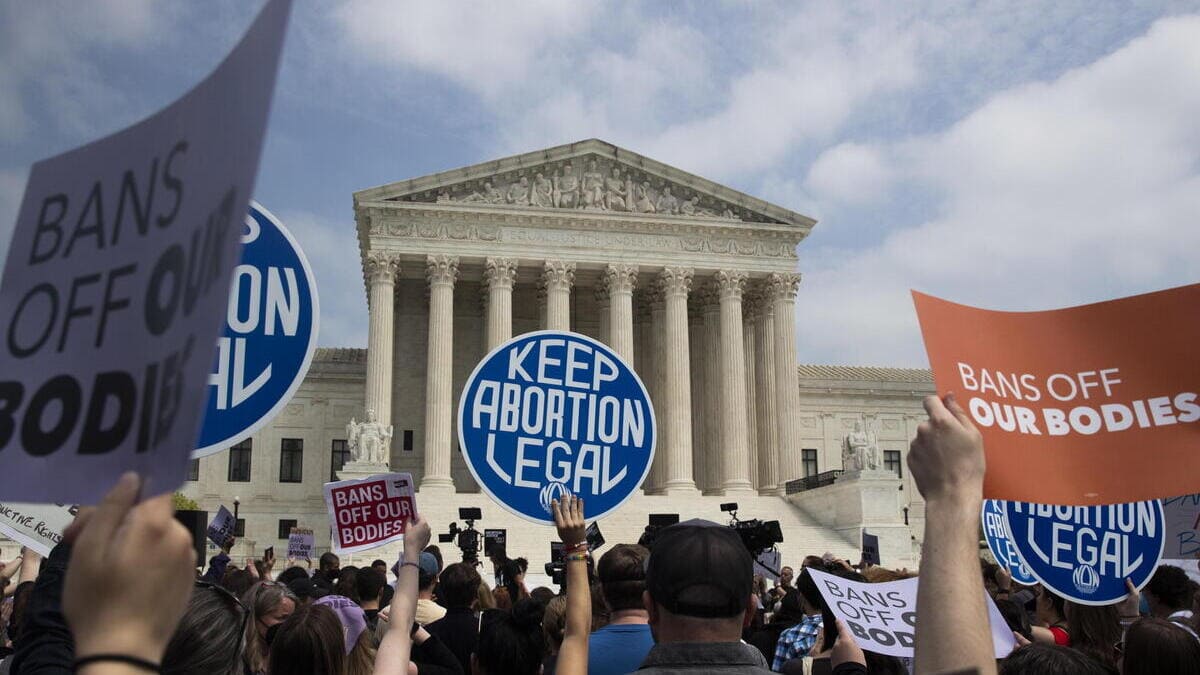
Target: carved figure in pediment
[593,187]
[704,211]
[518,192]
[490,195]
[615,194]
[688,207]
[667,203]
[644,200]
[443,197]
[543,192]
[727,213]
[566,188]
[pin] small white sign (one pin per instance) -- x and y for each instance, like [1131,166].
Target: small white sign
[37,526]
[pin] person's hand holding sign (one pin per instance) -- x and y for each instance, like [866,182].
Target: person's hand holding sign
[114,605]
[946,457]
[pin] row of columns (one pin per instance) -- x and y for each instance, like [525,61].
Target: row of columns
[727,407]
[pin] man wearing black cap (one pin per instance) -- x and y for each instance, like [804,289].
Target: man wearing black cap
[700,594]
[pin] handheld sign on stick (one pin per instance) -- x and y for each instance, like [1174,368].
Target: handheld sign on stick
[222,528]
[1098,403]
[116,283]
[553,413]
[300,543]
[270,334]
[369,512]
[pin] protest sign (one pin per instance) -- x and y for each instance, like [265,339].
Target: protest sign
[768,564]
[1000,542]
[369,512]
[883,617]
[1073,396]
[300,543]
[222,527]
[593,536]
[493,538]
[1085,553]
[116,279]
[553,413]
[870,548]
[270,335]
[1182,516]
[37,526]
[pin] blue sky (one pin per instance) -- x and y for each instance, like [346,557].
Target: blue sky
[1015,155]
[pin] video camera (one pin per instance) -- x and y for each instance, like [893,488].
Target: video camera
[756,535]
[466,538]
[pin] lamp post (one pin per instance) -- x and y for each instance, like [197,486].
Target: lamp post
[236,503]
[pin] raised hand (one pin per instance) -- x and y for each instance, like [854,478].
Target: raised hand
[416,537]
[568,518]
[114,604]
[946,457]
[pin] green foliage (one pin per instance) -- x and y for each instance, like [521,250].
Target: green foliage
[183,503]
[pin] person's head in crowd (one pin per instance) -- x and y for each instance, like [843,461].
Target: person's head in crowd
[498,556]
[270,604]
[458,586]
[813,561]
[484,597]
[786,576]
[436,552]
[791,606]
[1051,608]
[600,614]
[380,565]
[369,583]
[882,664]
[1094,630]
[554,622]
[988,571]
[305,590]
[238,582]
[347,583]
[294,572]
[1016,617]
[514,584]
[880,575]
[1168,591]
[1155,646]
[543,594]
[1043,659]
[699,584]
[310,642]
[358,643]
[210,636]
[328,565]
[511,643]
[622,575]
[809,595]
[427,574]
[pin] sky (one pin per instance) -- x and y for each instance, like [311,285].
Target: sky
[1010,155]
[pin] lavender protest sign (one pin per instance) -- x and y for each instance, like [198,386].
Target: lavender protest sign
[117,281]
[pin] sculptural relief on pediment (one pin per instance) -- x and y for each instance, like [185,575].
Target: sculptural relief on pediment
[589,183]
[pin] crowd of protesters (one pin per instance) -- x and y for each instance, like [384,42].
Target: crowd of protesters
[121,594]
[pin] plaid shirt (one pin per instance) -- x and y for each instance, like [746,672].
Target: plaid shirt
[796,641]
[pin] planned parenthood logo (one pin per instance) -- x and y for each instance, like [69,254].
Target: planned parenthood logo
[1085,553]
[270,335]
[553,413]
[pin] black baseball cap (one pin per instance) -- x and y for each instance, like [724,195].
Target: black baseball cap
[699,568]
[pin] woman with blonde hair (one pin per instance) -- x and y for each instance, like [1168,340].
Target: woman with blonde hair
[270,604]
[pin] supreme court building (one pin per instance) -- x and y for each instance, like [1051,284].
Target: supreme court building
[693,282]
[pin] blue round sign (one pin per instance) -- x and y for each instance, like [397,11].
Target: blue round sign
[1085,553]
[995,530]
[552,413]
[270,335]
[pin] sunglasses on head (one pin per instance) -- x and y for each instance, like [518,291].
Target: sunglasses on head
[233,599]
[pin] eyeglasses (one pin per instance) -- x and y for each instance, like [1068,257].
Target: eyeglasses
[227,594]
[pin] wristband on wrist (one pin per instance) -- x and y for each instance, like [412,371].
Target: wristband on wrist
[572,548]
[577,557]
[136,662]
[406,563]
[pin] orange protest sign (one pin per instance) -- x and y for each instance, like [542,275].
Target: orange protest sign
[1094,404]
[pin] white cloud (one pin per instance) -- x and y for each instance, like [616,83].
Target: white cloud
[851,173]
[1074,190]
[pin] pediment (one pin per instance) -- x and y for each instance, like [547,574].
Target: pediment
[590,176]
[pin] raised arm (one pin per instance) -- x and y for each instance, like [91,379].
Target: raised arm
[568,518]
[947,463]
[396,648]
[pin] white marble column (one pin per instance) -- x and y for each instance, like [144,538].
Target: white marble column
[735,455]
[675,283]
[441,271]
[710,299]
[499,274]
[658,342]
[697,352]
[749,338]
[782,289]
[382,268]
[648,357]
[557,277]
[765,398]
[620,281]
